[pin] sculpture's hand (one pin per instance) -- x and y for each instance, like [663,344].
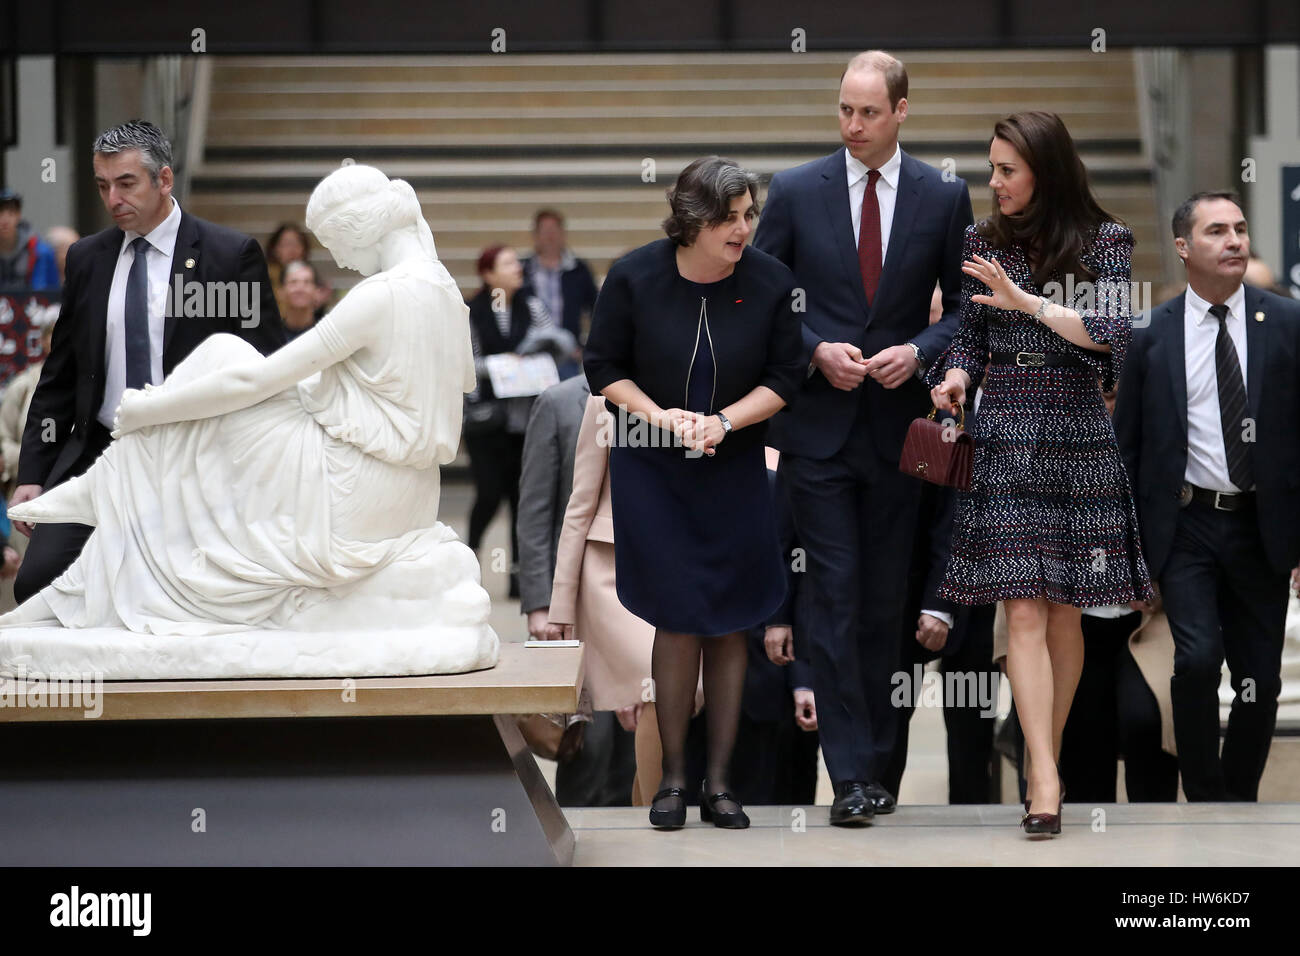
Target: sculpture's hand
[132,411]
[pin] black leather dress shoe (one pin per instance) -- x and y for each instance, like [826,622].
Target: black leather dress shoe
[852,806]
[881,799]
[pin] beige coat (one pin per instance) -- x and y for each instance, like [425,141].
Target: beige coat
[618,643]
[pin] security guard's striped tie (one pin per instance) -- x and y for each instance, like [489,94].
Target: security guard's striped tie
[1232,403]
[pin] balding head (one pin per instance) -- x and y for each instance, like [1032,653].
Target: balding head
[890,67]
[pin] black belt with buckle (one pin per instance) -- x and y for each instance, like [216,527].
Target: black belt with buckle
[1218,500]
[1035,359]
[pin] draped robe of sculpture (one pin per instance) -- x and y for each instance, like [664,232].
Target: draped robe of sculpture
[295,537]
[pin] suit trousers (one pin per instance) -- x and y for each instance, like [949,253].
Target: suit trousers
[855,515]
[53,547]
[967,723]
[1223,600]
[1114,713]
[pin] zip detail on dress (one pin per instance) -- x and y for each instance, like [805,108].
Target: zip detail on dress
[690,369]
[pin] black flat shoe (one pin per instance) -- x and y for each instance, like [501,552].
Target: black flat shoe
[726,819]
[882,801]
[673,819]
[852,806]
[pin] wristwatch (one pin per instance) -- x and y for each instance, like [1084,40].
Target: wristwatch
[920,359]
[726,424]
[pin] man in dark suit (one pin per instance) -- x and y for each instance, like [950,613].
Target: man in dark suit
[561,280]
[1206,424]
[868,231]
[138,298]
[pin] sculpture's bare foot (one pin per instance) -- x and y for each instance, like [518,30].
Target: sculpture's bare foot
[68,503]
[34,612]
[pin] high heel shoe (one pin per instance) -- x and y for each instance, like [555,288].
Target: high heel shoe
[1045,823]
[673,819]
[726,819]
[1062,782]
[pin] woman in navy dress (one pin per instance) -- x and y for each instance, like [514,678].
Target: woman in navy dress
[1049,525]
[695,344]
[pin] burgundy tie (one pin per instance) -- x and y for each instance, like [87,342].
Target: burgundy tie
[869,254]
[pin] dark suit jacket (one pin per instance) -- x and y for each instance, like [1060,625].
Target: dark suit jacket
[1151,423]
[807,225]
[578,289]
[71,388]
[545,483]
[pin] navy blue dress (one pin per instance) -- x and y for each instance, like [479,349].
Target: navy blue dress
[695,544]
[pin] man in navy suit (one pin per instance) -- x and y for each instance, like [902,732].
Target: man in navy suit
[139,297]
[867,231]
[1205,419]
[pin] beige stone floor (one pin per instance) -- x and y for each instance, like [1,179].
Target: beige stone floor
[924,830]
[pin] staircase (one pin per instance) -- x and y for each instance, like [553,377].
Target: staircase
[486,140]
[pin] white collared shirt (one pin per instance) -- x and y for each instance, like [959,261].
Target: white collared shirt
[886,195]
[1207,460]
[162,246]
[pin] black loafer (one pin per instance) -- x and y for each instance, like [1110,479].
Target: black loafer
[852,806]
[673,819]
[881,799]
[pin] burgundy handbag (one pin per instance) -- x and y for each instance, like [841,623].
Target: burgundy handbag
[938,453]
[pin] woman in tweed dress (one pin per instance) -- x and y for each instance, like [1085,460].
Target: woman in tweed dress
[1049,525]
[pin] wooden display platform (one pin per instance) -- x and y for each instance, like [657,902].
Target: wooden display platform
[373,771]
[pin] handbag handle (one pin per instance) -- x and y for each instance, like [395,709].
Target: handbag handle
[961,412]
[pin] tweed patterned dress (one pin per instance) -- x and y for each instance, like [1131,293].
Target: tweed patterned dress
[1049,512]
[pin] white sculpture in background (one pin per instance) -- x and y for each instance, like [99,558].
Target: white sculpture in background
[277,516]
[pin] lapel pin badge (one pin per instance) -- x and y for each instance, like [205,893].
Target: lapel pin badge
[189,263]
[1259,316]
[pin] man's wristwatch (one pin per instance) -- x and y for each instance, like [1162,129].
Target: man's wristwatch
[920,358]
[726,425]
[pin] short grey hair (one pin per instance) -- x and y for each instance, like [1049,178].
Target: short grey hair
[702,196]
[155,150]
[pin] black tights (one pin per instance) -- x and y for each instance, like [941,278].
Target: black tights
[675,668]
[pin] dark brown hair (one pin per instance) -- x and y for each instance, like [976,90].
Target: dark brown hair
[702,196]
[1062,216]
[1186,211]
[280,230]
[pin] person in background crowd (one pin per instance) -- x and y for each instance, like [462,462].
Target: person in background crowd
[702,320]
[13,410]
[289,243]
[111,335]
[1206,424]
[868,231]
[775,762]
[560,279]
[26,262]
[503,317]
[61,239]
[300,285]
[1115,713]
[1049,524]
[602,771]
[1259,274]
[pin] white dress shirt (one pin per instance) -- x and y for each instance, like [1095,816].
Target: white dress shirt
[886,195]
[1207,460]
[162,245]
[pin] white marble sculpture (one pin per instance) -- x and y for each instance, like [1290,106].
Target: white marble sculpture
[277,516]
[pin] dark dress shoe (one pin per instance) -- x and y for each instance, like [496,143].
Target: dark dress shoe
[726,819]
[852,806]
[881,799]
[674,816]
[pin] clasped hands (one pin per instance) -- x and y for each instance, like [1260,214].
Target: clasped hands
[697,431]
[845,368]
